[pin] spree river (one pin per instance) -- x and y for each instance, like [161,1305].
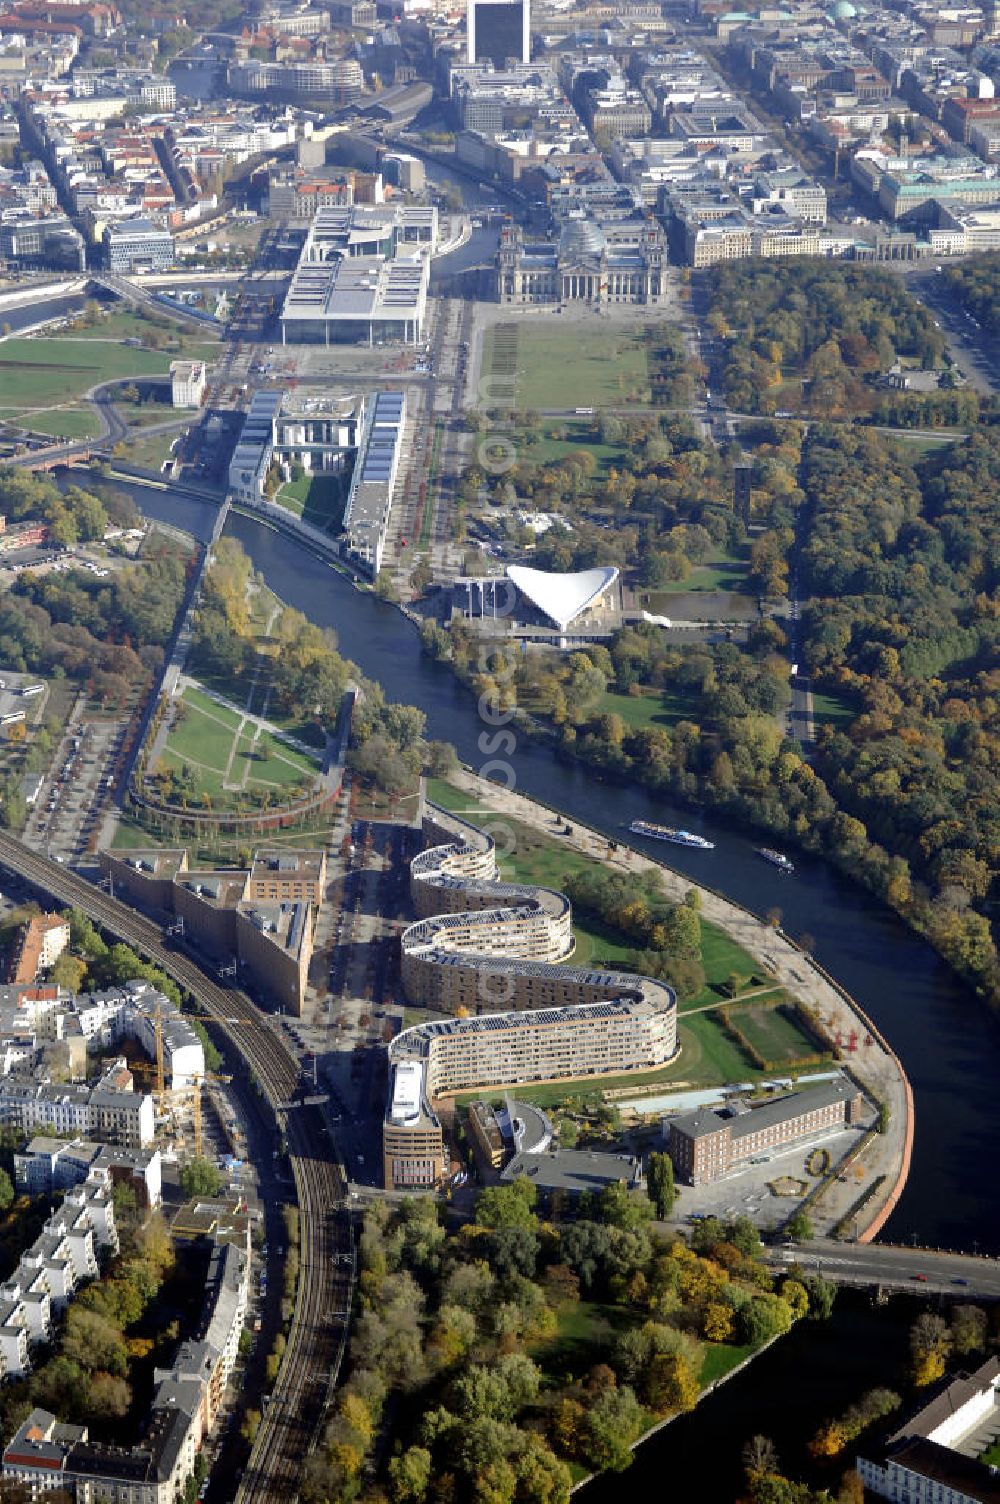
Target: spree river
[948,1042]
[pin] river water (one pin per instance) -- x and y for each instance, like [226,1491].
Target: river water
[949,1044]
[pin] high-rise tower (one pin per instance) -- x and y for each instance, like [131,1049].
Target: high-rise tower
[499,30]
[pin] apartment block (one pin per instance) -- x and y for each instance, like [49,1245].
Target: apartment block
[489,953]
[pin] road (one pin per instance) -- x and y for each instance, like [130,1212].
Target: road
[918,1270]
[973,349]
[292,1420]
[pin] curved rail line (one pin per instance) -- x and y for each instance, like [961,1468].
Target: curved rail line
[290,1425]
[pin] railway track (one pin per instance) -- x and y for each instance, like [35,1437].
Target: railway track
[292,1419]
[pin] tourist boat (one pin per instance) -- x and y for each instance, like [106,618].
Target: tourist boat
[776,858]
[670,833]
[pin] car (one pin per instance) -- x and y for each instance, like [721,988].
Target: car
[922,1278]
[958,1280]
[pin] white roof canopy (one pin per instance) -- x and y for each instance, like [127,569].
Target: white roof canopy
[562,597]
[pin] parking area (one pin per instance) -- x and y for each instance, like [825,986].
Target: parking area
[68,808]
[749,1193]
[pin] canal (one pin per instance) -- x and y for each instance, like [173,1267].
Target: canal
[948,1042]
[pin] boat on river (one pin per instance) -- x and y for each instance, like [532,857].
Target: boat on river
[776,858]
[670,833]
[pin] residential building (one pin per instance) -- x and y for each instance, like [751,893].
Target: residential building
[488,947]
[711,1142]
[188,1396]
[46,1165]
[39,944]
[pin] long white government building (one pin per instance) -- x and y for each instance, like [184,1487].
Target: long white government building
[492,955]
[362,277]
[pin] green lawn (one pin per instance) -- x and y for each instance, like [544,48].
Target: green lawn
[992,1455]
[47,371]
[60,422]
[208,706]
[650,708]
[121,322]
[917,446]
[204,740]
[834,709]
[774,1032]
[569,365]
[721,1358]
[150,451]
[577,440]
[318,499]
[584,1331]
[724,571]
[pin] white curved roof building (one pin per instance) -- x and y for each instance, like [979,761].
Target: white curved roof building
[562,597]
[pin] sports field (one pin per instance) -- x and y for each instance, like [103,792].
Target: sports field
[226,755]
[566,365]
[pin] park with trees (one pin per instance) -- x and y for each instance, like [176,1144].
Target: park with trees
[812,334]
[500,1362]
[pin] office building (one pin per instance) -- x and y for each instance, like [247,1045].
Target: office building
[499,31]
[262,920]
[307,426]
[137,245]
[187,383]
[362,277]
[374,483]
[712,1142]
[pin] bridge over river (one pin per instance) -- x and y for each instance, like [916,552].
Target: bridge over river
[919,1270]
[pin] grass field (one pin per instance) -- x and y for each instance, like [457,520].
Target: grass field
[774,1032]
[120,323]
[318,499]
[571,366]
[60,422]
[721,1358]
[229,754]
[655,708]
[150,451]
[725,571]
[917,446]
[42,372]
[582,1333]
[833,709]
[578,438]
